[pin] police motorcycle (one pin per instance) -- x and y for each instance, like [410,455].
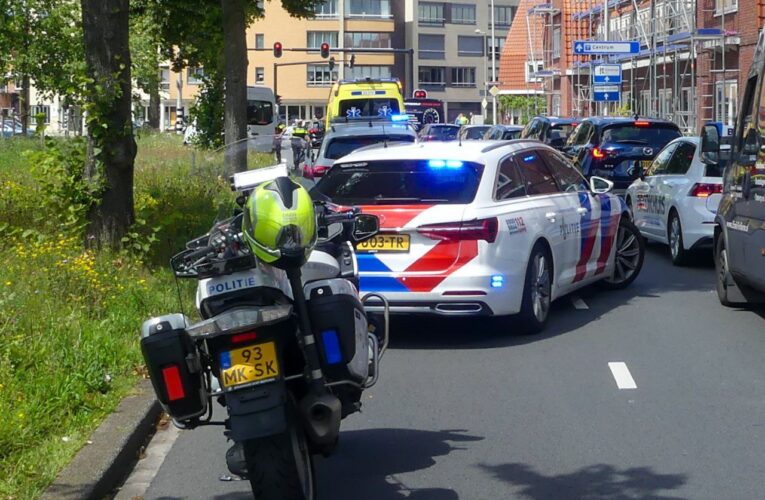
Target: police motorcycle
[284,343]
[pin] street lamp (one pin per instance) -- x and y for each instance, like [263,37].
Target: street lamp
[493,66]
[485,68]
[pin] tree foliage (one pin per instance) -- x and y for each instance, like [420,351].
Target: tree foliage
[523,105]
[42,39]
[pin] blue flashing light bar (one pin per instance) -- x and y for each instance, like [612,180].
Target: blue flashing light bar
[399,118]
[445,163]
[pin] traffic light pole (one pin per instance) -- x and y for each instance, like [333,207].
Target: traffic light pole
[343,50]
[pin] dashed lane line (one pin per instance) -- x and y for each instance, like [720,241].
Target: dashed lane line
[622,375]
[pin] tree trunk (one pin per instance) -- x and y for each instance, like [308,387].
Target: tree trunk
[235,101]
[111,147]
[154,107]
[24,105]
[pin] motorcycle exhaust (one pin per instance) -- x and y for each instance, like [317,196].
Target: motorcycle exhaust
[321,418]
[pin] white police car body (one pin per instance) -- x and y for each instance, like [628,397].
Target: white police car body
[676,200]
[483,227]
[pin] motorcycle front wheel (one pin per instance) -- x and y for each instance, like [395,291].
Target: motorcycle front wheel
[281,467]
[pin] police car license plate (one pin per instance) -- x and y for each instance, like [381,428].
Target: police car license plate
[255,363]
[385,243]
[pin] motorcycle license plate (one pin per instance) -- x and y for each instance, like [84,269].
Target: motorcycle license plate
[385,243]
[248,365]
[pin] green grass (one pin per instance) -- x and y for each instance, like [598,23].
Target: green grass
[70,317]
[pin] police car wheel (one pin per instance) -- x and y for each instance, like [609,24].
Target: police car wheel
[628,259]
[537,291]
[675,237]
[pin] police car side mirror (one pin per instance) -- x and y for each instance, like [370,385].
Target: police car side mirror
[599,185]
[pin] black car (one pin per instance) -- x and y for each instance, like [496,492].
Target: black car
[618,148]
[552,131]
[473,132]
[439,132]
[503,132]
[739,235]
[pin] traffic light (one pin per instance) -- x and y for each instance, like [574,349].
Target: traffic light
[352,61]
[277,49]
[331,63]
[324,50]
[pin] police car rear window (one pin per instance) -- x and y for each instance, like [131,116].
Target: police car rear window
[656,135]
[341,146]
[402,182]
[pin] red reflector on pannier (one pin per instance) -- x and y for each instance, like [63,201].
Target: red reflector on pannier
[173,384]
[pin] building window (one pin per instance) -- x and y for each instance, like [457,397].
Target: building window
[326,9]
[368,72]
[725,6]
[555,105]
[39,110]
[463,14]
[367,40]
[471,46]
[316,38]
[726,97]
[431,76]
[164,78]
[431,13]
[496,49]
[503,16]
[194,76]
[260,41]
[431,47]
[260,75]
[556,43]
[532,67]
[368,8]
[319,75]
[463,77]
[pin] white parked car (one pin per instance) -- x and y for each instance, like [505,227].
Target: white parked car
[675,201]
[483,228]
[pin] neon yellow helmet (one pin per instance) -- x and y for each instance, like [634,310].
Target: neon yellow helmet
[279,223]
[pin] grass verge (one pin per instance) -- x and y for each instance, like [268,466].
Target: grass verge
[69,317]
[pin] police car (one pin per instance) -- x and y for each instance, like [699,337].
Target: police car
[490,228]
[675,200]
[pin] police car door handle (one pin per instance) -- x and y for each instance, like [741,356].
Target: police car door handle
[581,210]
[551,216]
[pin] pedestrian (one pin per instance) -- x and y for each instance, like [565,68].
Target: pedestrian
[277,142]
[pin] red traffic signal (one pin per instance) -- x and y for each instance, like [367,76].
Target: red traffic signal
[420,94]
[277,49]
[324,50]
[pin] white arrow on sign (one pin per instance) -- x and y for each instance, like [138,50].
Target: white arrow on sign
[608,78]
[579,47]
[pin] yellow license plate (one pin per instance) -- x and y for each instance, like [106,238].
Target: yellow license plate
[385,243]
[255,363]
[645,164]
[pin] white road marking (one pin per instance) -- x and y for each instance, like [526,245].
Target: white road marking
[579,303]
[622,375]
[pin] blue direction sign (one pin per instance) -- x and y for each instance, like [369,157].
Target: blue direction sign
[591,47]
[607,73]
[606,93]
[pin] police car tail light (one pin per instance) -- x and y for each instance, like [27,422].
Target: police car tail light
[319,170]
[482,229]
[241,338]
[700,190]
[598,153]
[171,375]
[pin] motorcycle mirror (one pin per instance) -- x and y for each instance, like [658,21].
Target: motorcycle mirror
[241,200]
[365,226]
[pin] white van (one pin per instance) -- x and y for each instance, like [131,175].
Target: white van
[262,114]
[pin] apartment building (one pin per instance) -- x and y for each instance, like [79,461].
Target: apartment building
[690,68]
[303,83]
[453,47]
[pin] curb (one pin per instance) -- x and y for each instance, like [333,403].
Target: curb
[100,467]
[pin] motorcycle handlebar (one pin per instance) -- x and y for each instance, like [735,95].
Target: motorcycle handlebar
[200,252]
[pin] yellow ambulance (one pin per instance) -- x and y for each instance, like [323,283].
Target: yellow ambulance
[364,99]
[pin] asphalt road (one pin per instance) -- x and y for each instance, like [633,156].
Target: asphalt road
[470,410]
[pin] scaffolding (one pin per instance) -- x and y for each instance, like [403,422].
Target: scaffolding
[542,51]
[659,81]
